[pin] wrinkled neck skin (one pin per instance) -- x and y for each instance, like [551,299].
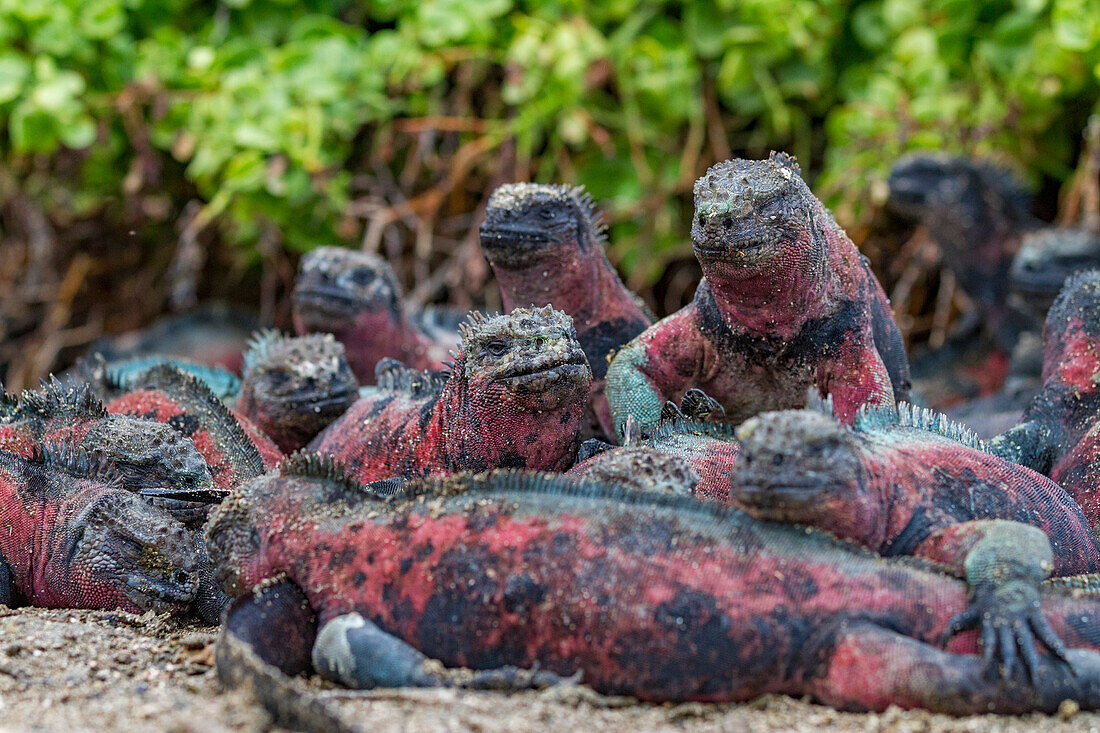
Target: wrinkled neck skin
[777,296]
[484,426]
[568,278]
[373,336]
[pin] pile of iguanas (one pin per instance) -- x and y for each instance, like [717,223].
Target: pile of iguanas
[735,500]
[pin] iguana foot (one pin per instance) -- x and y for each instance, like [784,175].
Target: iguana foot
[1010,619]
[355,652]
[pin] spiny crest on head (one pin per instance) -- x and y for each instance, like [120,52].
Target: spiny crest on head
[906,415]
[817,403]
[734,186]
[55,400]
[311,465]
[259,347]
[8,403]
[75,461]
[392,375]
[189,389]
[513,196]
[478,324]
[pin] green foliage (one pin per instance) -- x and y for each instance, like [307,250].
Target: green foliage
[270,111]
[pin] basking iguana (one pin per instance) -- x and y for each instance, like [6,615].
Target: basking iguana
[786,303]
[356,297]
[659,597]
[515,397]
[1059,434]
[293,387]
[1046,260]
[910,482]
[976,213]
[74,536]
[233,448]
[546,245]
[152,459]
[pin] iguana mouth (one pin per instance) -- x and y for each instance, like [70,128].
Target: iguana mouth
[332,399]
[542,366]
[180,590]
[774,497]
[505,233]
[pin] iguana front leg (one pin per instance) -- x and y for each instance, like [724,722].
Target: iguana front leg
[1004,563]
[353,651]
[854,375]
[657,366]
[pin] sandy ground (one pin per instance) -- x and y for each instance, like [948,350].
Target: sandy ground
[93,670]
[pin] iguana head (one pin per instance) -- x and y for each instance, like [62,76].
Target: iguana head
[335,285]
[1047,258]
[104,546]
[529,358]
[140,551]
[803,467]
[294,386]
[748,212]
[955,195]
[150,456]
[531,223]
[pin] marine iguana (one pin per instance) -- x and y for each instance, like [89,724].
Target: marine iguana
[903,483]
[293,387]
[546,246]
[976,213]
[75,537]
[1059,434]
[1046,260]
[109,379]
[515,397]
[152,459]
[233,448]
[659,597]
[786,302]
[355,296]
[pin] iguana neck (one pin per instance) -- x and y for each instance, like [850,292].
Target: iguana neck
[573,281]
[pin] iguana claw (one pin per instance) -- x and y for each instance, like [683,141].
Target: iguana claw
[1010,620]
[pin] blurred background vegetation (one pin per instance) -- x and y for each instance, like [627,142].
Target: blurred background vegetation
[156,153]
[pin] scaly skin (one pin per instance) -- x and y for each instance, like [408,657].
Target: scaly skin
[514,398]
[661,598]
[546,246]
[976,213]
[74,537]
[916,485]
[786,303]
[1059,434]
[152,459]
[356,297]
[233,448]
[109,379]
[293,387]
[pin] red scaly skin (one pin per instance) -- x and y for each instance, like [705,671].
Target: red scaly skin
[786,303]
[233,448]
[154,405]
[660,598]
[893,488]
[1060,431]
[64,518]
[356,297]
[514,398]
[546,246]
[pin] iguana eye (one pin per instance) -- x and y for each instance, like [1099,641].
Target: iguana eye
[546,213]
[702,220]
[496,347]
[727,222]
